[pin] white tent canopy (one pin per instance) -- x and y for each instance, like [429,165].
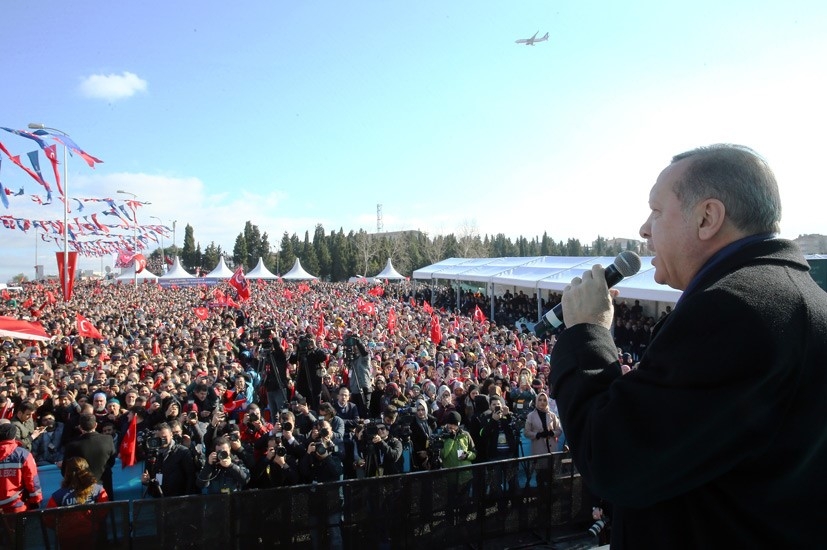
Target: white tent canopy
[128,274]
[260,271]
[389,272]
[221,271]
[177,271]
[550,273]
[297,273]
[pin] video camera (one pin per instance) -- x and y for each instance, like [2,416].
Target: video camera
[263,336]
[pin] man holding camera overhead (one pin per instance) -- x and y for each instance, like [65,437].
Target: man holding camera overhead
[170,469]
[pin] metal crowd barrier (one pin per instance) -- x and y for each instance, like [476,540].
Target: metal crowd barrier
[436,509]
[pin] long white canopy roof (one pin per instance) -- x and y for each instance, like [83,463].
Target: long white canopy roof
[547,273]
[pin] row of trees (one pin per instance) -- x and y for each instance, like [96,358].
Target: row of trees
[337,255]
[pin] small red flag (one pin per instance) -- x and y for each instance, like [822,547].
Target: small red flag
[127,450]
[426,307]
[320,332]
[86,328]
[479,316]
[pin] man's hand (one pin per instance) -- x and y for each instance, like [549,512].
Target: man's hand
[588,299]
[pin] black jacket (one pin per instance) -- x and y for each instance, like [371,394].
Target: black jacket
[177,466]
[718,439]
[99,452]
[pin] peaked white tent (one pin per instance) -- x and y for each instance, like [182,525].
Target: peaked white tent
[389,272]
[221,271]
[297,273]
[128,274]
[177,271]
[260,271]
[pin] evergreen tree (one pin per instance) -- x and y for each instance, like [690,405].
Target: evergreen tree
[240,250]
[188,254]
[322,249]
[309,261]
[287,256]
[212,255]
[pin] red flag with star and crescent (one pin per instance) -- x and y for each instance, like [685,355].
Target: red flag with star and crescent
[239,283]
[479,316]
[86,328]
[130,439]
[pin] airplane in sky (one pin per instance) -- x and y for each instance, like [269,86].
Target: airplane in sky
[532,40]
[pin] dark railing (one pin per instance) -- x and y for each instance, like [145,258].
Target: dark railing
[435,509]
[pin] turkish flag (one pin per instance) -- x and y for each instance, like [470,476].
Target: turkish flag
[202,313]
[139,261]
[391,320]
[130,439]
[86,328]
[426,307]
[479,316]
[239,283]
[436,330]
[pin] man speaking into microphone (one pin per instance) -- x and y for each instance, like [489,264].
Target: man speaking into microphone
[718,439]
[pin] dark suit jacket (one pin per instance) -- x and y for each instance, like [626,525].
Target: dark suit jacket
[718,440]
[99,452]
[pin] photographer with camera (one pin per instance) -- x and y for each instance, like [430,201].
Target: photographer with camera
[276,468]
[304,419]
[48,449]
[224,472]
[457,450]
[499,439]
[360,376]
[422,427]
[377,452]
[335,423]
[170,469]
[272,365]
[310,361]
[255,430]
[323,464]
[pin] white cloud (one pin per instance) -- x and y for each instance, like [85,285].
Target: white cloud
[112,87]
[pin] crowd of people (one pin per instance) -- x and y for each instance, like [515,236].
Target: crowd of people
[301,383]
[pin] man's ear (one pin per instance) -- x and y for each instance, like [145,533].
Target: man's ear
[710,216]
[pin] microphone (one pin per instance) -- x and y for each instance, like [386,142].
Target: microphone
[626,264]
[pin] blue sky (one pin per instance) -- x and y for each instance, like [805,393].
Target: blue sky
[290,114]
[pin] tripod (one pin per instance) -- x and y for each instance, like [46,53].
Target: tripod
[276,399]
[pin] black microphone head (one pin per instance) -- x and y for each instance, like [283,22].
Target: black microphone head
[627,263]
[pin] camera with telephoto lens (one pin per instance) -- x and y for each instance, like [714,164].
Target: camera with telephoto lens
[253,417]
[286,426]
[281,450]
[597,527]
[222,455]
[153,443]
[234,436]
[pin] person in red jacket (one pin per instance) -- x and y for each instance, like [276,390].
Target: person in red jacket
[19,482]
[80,527]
